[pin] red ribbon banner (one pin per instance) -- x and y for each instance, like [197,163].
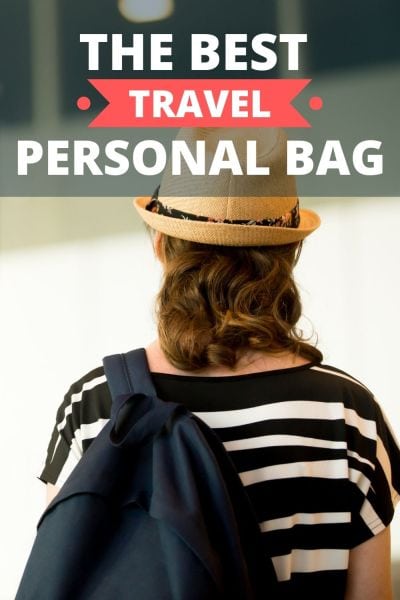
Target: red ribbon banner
[199,102]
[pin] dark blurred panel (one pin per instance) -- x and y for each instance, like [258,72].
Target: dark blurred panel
[15,62]
[351,34]
[190,16]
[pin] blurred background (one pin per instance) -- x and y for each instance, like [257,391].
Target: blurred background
[78,276]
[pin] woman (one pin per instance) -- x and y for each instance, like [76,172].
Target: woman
[310,443]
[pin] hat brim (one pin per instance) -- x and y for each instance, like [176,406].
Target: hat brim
[226,234]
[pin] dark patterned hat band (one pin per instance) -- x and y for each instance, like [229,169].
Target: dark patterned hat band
[290,219]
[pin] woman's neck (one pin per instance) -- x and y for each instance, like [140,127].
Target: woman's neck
[252,362]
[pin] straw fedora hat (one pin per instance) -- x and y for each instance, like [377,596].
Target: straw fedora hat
[230,209]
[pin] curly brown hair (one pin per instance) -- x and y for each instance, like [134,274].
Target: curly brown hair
[218,302]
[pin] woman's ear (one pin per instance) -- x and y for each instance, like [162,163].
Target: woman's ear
[157,246]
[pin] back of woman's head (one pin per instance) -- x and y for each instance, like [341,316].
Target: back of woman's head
[218,302]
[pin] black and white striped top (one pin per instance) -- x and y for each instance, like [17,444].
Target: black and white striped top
[310,443]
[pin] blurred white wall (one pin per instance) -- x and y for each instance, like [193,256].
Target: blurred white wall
[63,307]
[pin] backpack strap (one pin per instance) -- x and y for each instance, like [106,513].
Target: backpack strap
[128,374]
[128,378]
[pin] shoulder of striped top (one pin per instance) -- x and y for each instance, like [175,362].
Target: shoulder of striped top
[327,374]
[93,375]
[360,404]
[92,383]
[80,417]
[336,372]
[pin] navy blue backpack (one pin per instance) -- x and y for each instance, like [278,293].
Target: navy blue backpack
[154,510]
